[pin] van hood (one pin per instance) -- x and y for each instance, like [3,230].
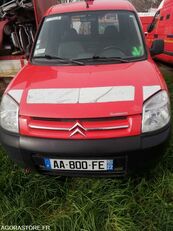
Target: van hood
[86,91]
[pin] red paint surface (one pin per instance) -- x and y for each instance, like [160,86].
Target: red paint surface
[96,5]
[36,77]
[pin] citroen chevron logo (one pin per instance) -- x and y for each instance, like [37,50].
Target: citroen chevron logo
[78,129]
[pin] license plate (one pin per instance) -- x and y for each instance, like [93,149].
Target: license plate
[79,165]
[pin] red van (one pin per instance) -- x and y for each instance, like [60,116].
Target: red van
[162,28]
[90,101]
[146,19]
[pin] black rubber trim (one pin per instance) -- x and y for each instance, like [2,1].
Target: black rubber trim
[70,147]
[83,174]
[168,53]
[138,151]
[85,147]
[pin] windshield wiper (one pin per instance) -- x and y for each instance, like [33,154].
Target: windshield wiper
[62,60]
[101,58]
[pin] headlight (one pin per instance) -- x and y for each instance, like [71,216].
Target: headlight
[9,114]
[156,112]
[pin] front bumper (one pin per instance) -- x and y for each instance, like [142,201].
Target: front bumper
[136,150]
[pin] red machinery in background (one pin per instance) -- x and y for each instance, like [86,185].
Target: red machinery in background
[18,22]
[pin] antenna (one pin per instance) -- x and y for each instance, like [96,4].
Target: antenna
[88,2]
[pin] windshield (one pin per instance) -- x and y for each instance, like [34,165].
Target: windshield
[89,36]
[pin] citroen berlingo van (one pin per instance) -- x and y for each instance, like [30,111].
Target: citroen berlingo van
[90,101]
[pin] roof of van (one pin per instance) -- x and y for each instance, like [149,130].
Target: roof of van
[93,5]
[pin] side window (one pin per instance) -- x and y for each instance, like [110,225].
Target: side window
[161,18]
[85,28]
[109,19]
[135,41]
[75,23]
[167,16]
[81,24]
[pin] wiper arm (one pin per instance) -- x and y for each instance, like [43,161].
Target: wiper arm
[62,60]
[119,59]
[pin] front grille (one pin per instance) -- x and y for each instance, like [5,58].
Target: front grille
[76,128]
[81,119]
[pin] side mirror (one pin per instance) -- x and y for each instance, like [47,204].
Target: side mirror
[157,47]
[27,51]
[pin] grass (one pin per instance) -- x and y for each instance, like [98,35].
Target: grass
[74,204]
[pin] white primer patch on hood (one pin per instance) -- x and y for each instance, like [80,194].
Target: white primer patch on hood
[149,91]
[81,95]
[16,95]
